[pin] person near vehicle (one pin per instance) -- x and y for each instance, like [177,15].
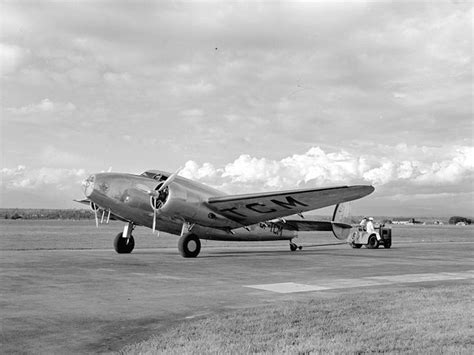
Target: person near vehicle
[369,226]
[363,223]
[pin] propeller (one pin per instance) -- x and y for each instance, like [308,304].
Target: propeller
[155,208]
[155,194]
[167,182]
[95,208]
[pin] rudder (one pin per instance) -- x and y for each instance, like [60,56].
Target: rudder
[341,227]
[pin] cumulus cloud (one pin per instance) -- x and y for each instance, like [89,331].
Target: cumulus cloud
[319,168]
[23,178]
[45,106]
[206,171]
[449,171]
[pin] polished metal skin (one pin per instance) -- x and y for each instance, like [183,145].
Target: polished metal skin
[173,204]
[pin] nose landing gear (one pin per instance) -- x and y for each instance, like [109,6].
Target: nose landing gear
[124,242]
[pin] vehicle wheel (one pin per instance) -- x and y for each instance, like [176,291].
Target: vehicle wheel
[356,246]
[189,245]
[293,247]
[373,242]
[123,245]
[387,245]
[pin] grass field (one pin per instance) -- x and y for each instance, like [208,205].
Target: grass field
[431,320]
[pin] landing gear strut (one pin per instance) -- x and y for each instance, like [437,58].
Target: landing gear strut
[294,247]
[124,242]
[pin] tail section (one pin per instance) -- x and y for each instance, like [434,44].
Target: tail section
[341,221]
[340,224]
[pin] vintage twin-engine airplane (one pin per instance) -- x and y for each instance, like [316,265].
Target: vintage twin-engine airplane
[173,204]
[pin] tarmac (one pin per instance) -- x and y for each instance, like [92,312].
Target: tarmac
[84,301]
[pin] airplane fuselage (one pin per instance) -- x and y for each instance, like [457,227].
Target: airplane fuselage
[125,196]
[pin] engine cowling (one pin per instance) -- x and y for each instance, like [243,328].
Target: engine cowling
[191,206]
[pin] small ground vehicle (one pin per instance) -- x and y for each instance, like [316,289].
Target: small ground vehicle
[361,237]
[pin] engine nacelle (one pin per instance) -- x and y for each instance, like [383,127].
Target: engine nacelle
[190,205]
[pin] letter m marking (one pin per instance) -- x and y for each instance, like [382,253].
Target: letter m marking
[290,202]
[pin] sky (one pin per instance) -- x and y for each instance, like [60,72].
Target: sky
[244,96]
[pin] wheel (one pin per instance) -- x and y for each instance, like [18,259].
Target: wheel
[189,245]
[387,245]
[373,242]
[356,246]
[123,245]
[293,247]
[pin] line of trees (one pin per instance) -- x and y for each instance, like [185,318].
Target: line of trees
[31,213]
[76,214]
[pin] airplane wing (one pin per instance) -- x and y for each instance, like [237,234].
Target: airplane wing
[254,208]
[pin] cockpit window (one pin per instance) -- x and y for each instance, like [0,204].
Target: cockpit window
[155,175]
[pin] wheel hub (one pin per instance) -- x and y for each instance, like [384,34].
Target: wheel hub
[192,246]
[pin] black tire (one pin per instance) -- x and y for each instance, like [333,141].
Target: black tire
[122,245]
[387,245]
[189,246]
[373,242]
[293,247]
[356,246]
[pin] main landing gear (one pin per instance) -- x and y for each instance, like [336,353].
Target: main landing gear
[294,247]
[124,242]
[189,245]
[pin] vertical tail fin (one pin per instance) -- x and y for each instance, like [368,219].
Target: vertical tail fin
[341,221]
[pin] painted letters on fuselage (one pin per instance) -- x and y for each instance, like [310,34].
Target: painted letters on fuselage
[263,208]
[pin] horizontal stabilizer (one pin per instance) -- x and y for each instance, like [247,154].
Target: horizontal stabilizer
[84,201]
[310,226]
[338,226]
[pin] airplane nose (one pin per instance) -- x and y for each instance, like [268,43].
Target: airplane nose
[88,185]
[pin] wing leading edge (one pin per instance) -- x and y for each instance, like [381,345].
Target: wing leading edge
[254,208]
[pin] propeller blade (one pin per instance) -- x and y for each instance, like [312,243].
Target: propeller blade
[154,220]
[96,218]
[169,180]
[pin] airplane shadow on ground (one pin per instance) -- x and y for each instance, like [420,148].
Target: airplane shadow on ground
[296,254]
[316,250]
